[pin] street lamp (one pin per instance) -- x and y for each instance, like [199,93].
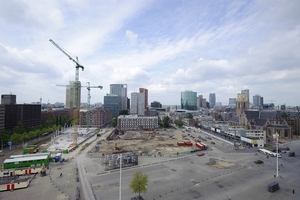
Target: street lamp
[275,136]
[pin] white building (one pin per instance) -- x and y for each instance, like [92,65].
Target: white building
[134,122]
[137,104]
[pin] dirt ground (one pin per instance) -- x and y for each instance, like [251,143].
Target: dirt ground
[221,164]
[147,142]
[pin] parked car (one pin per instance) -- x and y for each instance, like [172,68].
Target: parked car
[292,154]
[213,142]
[137,198]
[258,161]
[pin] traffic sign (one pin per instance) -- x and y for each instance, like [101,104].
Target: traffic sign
[9,143]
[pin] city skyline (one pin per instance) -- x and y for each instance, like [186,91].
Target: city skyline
[167,47]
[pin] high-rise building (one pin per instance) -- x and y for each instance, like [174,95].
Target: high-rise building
[113,103]
[156,104]
[212,100]
[145,92]
[70,95]
[137,103]
[120,90]
[199,101]
[189,100]
[246,91]
[258,100]
[232,101]
[8,99]
[204,105]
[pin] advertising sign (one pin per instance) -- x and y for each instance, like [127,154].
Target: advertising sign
[112,161]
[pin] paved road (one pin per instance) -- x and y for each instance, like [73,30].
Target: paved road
[182,177]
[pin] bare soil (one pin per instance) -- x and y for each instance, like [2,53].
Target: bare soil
[147,142]
[220,164]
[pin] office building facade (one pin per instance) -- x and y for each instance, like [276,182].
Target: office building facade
[199,101]
[137,103]
[70,95]
[120,90]
[145,92]
[113,103]
[189,100]
[246,92]
[258,100]
[212,100]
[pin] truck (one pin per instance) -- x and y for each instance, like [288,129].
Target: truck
[57,157]
[272,187]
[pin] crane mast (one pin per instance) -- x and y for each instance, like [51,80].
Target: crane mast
[76,86]
[88,116]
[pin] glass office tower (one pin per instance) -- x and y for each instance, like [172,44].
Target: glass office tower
[189,100]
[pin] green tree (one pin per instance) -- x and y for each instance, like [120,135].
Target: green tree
[190,116]
[19,129]
[139,183]
[166,121]
[114,122]
[16,138]
[178,123]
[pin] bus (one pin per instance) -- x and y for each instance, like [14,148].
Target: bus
[29,161]
[48,154]
[269,153]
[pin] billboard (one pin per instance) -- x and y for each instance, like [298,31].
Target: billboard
[112,161]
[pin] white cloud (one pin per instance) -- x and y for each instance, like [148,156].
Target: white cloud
[192,45]
[132,38]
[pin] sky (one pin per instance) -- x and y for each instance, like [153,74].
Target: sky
[165,46]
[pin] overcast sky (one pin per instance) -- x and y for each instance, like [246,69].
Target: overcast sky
[165,46]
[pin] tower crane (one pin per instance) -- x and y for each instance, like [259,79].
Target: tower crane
[89,104]
[76,103]
[88,98]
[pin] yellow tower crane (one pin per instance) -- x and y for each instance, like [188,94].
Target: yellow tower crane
[76,103]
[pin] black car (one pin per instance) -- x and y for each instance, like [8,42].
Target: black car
[137,198]
[258,162]
[213,142]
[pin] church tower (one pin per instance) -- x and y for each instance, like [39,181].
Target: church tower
[242,103]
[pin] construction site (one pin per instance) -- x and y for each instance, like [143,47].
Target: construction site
[148,143]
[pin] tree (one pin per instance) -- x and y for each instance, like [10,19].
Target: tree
[139,183]
[114,122]
[190,116]
[19,128]
[178,122]
[166,121]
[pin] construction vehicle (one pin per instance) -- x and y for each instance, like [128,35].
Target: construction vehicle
[76,106]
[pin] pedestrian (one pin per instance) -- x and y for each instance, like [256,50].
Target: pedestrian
[293,191]
[60,175]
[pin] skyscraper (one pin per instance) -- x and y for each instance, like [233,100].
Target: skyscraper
[189,100]
[212,100]
[199,101]
[246,91]
[258,100]
[232,101]
[120,90]
[137,103]
[113,103]
[70,95]
[145,92]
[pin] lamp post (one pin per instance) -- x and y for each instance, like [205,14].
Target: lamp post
[120,190]
[275,136]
